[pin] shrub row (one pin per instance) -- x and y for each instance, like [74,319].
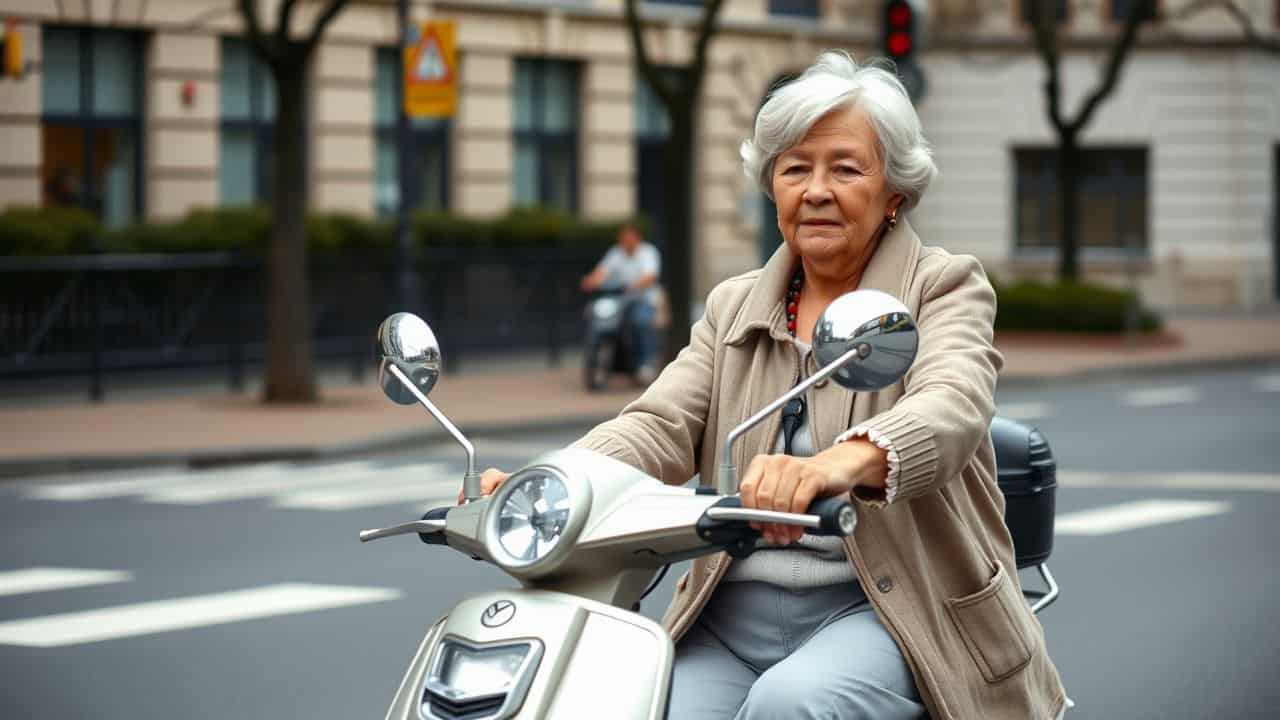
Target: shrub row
[1069,307]
[61,231]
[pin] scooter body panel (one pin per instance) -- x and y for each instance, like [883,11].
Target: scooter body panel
[586,659]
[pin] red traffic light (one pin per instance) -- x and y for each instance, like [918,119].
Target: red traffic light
[898,32]
[898,43]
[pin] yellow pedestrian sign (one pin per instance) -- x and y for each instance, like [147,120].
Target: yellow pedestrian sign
[430,70]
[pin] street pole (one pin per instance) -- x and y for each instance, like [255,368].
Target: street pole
[406,270]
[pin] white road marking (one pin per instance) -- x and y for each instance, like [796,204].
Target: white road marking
[1134,515]
[103,489]
[1025,410]
[1214,482]
[1269,383]
[181,613]
[249,486]
[41,579]
[1156,397]
[410,488]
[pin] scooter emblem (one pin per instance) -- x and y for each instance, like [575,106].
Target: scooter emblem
[498,614]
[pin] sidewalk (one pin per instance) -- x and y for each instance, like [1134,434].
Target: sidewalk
[219,426]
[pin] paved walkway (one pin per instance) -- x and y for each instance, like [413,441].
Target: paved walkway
[220,426]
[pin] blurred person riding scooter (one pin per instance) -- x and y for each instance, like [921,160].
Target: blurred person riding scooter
[629,270]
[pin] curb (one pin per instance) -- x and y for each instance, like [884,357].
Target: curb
[434,434]
[428,435]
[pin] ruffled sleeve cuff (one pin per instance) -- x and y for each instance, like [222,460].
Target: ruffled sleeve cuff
[910,447]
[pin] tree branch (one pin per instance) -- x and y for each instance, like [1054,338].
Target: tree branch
[284,15]
[1119,53]
[1251,36]
[645,65]
[706,28]
[1045,33]
[330,12]
[249,14]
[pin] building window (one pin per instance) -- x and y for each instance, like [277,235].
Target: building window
[91,124]
[1120,10]
[794,8]
[1028,9]
[546,133]
[248,114]
[653,129]
[1112,202]
[428,146]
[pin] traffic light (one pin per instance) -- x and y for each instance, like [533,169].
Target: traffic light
[899,30]
[11,52]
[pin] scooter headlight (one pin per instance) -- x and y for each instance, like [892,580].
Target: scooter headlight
[606,308]
[478,681]
[534,512]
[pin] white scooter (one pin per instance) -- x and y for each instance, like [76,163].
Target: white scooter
[588,536]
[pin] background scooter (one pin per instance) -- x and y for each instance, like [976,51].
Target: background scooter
[609,346]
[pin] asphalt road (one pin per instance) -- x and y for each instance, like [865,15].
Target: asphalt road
[246,595]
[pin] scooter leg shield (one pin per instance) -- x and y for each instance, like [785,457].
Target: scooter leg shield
[538,654]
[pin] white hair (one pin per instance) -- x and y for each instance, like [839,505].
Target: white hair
[834,82]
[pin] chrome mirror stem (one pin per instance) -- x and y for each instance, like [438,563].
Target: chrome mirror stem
[727,478]
[470,481]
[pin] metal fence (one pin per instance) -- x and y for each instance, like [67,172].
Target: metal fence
[91,315]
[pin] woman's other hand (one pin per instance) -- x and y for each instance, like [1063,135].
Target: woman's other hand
[790,484]
[489,481]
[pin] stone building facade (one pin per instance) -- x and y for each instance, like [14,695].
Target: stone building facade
[143,109]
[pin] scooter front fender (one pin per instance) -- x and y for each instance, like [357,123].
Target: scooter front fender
[594,660]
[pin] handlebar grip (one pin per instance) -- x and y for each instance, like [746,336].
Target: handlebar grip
[837,515]
[435,538]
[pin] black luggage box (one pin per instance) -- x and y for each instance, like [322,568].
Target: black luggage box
[1027,475]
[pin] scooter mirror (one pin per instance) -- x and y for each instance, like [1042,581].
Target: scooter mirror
[406,341]
[879,326]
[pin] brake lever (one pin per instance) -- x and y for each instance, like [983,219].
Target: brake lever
[420,527]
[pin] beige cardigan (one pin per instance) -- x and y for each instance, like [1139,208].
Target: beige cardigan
[936,562]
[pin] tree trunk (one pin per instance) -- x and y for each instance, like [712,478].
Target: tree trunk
[289,373]
[678,168]
[1069,207]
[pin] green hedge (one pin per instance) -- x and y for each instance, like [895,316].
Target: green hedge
[1068,307]
[59,231]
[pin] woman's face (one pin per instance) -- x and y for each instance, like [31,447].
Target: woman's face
[831,192]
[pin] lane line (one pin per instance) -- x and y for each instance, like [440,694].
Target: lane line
[1026,410]
[298,477]
[1158,397]
[1269,383]
[147,618]
[1213,482]
[104,489]
[410,489]
[42,579]
[1134,515]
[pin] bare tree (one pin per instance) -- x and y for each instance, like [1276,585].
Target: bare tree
[679,94]
[290,374]
[1042,16]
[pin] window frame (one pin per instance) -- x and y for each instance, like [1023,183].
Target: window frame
[1045,184]
[546,142]
[260,127]
[418,138]
[88,121]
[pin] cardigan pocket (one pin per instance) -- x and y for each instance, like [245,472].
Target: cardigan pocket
[993,624]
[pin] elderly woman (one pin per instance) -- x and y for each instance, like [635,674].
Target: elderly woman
[920,611]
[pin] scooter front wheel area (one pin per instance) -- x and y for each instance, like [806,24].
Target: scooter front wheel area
[597,361]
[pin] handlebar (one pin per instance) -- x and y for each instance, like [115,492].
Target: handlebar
[726,523]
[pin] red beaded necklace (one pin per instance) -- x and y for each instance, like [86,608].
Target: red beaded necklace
[793,299]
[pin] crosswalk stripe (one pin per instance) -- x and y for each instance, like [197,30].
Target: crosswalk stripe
[1134,515]
[41,579]
[104,489]
[254,486]
[1269,383]
[1219,482]
[146,618]
[1025,410]
[1156,397]
[406,489]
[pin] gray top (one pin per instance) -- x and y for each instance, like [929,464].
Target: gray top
[810,562]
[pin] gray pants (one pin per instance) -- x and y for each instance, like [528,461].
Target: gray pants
[760,652]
